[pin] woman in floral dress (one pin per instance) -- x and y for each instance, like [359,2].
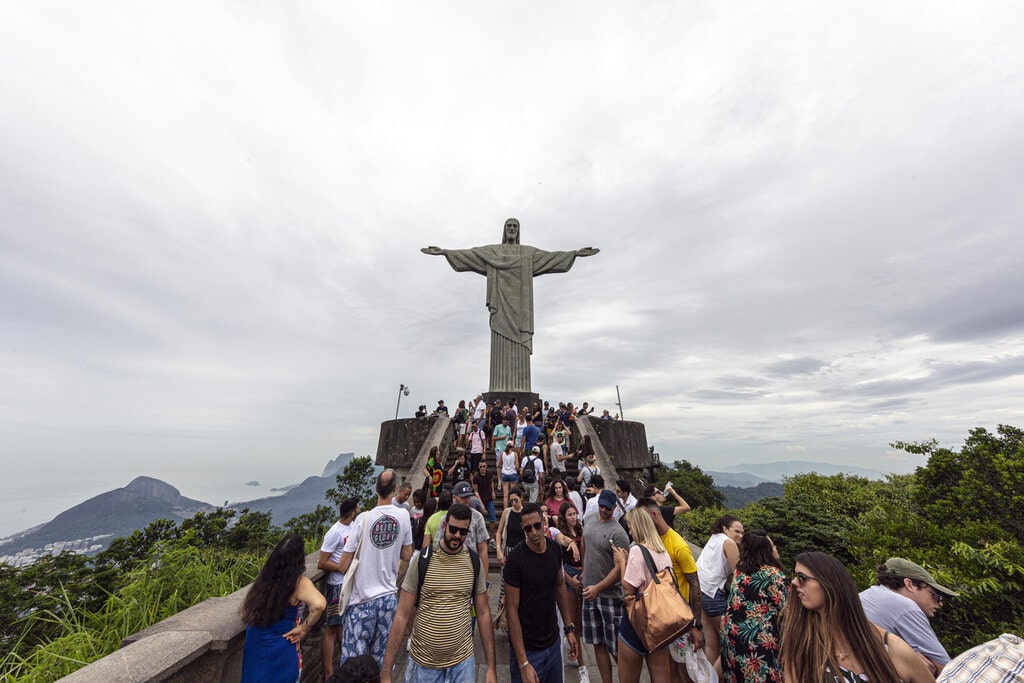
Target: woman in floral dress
[750,627]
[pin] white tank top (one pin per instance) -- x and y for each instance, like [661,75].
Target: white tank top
[712,566]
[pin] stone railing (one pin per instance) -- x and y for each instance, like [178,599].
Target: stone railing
[405,445]
[200,644]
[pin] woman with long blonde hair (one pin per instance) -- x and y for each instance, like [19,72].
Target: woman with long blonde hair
[635,577]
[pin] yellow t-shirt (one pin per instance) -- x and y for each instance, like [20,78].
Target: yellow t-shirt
[682,560]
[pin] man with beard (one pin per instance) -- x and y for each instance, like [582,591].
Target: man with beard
[443,582]
[534,585]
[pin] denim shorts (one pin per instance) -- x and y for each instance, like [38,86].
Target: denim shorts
[463,672]
[713,607]
[629,636]
[511,478]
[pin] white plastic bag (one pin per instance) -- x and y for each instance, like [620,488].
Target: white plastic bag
[697,664]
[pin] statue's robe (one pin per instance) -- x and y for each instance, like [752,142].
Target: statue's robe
[510,269]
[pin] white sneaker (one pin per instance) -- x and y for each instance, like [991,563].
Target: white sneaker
[584,676]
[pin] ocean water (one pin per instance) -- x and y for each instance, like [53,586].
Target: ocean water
[27,501]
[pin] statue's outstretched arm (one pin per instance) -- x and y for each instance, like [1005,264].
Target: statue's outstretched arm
[433,251]
[587,251]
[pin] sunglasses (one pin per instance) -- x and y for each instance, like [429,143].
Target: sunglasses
[937,595]
[536,526]
[459,530]
[802,578]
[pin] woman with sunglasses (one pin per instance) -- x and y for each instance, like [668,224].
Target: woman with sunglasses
[750,628]
[827,638]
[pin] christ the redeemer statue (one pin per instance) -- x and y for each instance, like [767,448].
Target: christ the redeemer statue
[510,268]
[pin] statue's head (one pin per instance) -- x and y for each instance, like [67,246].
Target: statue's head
[511,233]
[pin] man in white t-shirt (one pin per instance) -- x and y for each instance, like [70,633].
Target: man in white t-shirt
[385,534]
[626,501]
[330,553]
[533,488]
[480,412]
[402,499]
[558,456]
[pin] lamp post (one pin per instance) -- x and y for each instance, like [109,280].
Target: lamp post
[402,389]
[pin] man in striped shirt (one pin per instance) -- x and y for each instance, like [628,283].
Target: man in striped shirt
[441,644]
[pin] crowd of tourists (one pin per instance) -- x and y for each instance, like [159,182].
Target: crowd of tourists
[582,560]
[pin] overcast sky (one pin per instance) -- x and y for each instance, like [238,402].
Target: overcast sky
[810,223]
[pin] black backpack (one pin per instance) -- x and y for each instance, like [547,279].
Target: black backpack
[425,556]
[529,471]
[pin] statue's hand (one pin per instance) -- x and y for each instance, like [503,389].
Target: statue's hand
[587,251]
[433,251]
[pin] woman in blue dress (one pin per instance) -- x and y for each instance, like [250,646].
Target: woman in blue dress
[272,610]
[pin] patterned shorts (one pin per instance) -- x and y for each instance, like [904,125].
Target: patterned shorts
[366,627]
[601,619]
[334,618]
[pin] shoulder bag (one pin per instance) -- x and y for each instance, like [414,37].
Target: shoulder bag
[658,614]
[350,575]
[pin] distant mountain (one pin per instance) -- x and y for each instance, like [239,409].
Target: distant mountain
[735,479]
[335,466]
[298,500]
[121,511]
[117,513]
[332,468]
[302,498]
[777,471]
[737,497]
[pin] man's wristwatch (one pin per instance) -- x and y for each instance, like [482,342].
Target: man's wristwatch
[569,629]
[697,625]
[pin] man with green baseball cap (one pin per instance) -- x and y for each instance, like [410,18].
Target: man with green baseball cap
[905,598]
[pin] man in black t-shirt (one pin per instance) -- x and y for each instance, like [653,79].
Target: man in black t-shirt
[534,585]
[494,418]
[460,469]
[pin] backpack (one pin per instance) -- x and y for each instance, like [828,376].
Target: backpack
[530,471]
[425,556]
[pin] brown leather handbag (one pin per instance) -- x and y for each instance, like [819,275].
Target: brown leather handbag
[658,614]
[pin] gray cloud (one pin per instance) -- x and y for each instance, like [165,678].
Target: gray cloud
[210,251]
[940,374]
[795,366]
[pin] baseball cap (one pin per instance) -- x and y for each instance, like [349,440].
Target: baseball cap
[463,490]
[536,449]
[606,499]
[898,566]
